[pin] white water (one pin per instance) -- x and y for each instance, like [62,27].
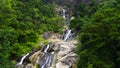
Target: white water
[67,35]
[46,48]
[64,14]
[50,60]
[21,61]
[47,59]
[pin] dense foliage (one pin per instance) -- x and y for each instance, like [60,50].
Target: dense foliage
[99,35]
[21,23]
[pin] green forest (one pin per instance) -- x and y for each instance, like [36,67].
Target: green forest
[21,24]
[96,25]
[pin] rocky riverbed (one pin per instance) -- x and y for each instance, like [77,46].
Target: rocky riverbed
[56,54]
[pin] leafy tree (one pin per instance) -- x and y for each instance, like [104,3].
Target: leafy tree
[21,23]
[83,13]
[100,38]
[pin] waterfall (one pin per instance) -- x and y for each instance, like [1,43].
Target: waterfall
[21,61]
[67,35]
[50,60]
[44,65]
[46,49]
[46,60]
[50,55]
[64,13]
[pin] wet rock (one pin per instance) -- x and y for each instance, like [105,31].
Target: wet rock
[35,57]
[69,59]
[64,49]
[61,65]
[51,47]
[29,66]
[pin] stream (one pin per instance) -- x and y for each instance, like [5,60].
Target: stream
[53,55]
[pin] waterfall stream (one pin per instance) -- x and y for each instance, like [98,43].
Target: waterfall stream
[64,16]
[22,59]
[47,57]
[67,35]
[46,60]
[46,49]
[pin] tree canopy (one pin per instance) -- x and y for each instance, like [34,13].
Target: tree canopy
[21,23]
[99,36]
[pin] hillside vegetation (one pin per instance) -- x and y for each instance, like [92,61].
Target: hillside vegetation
[98,29]
[95,23]
[21,24]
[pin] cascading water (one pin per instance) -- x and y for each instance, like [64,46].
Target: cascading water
[51,57]
[21,61]
[67,35]
[64,13]
[46,60]
[46,49]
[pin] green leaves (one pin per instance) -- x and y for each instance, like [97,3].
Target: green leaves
[99,38]
[21,23]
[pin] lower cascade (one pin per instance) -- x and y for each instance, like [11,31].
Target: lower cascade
[53,55]
[46,48]
[67,35]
